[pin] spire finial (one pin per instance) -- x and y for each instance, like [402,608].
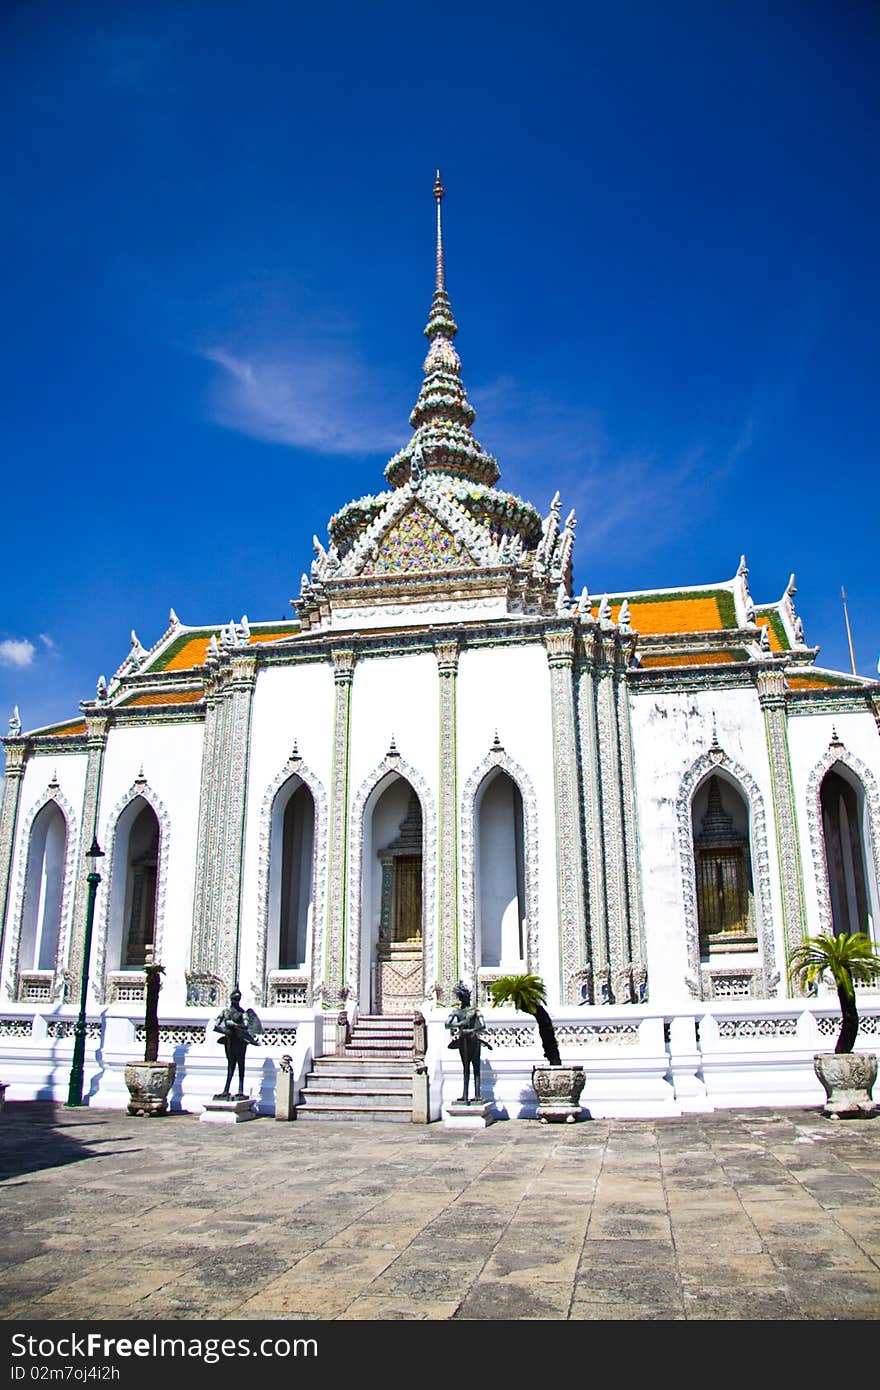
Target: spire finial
[439,190]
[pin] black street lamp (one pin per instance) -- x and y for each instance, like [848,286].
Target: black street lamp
[93,878]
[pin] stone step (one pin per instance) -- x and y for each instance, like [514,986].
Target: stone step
[386,1082]
[364,1066]
[400,1116]
[374,1099]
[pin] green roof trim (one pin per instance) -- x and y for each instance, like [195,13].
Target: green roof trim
[774,618]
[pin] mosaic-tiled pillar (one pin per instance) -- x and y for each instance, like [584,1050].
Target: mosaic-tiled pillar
[771,696]
[638,954]
[16,756]
[447,963]
[220,850]
[569,856]
[337,849]
[203,982]
[591,810]
[97,726]
[230,847]
[608,667]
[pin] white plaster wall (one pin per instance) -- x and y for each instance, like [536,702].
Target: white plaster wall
[671,730]
[395,696]
[69,769]
[291,704]
[171,757]
[508,689]
[809,736]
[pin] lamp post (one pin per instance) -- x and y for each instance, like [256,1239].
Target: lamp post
[93,878]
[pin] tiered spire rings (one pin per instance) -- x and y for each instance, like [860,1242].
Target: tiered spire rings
[442,417]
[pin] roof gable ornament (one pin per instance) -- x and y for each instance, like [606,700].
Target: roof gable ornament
[15,723]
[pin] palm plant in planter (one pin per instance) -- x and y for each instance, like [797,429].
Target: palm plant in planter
[558,1087]
[849,959]
[150,1081]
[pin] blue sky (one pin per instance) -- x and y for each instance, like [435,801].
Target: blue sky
[661,230]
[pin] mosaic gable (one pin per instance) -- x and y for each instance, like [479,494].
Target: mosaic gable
[417,541]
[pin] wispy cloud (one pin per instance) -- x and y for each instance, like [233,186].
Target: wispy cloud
[17,651]
[320,397]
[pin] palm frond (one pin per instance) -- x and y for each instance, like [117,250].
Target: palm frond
[525,992]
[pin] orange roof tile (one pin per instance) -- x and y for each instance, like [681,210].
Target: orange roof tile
[165,697]
[693,659]
[700,612]
[76,726]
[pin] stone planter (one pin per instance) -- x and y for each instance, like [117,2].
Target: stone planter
[559,1091]
[148,1085]
[848,1078]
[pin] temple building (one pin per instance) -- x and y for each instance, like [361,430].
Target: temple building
[449,765]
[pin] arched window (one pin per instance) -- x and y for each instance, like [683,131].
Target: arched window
[843,813]
[44,888]
[292,882]
[132,892]
[499,873]
[723,866]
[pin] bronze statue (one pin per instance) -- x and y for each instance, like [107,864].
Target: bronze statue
[237,1027]
[467,1027]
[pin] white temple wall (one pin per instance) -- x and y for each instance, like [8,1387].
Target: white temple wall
[291,704]
[395,697]
[671,731]
[170,756]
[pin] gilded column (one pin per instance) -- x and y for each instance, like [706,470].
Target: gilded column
[447,962]
[591,810]
[97,727]
[771,695]
[569,856]
[619,988]
[337,850]
[16,757]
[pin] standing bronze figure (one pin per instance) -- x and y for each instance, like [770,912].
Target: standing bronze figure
[237,1028]
[467,1026]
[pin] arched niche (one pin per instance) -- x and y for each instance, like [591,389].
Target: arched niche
[844,827]
[500,925]
[843,814]
[133,894]
[43,899]
[291,878]
[392,897]
[723,867]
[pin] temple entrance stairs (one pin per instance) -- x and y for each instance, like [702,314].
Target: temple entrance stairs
[373,1080]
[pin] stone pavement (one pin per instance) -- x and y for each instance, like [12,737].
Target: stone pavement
[740,1214]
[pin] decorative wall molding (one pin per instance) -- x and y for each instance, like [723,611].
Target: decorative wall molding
[140,788]
[16,758]
[569,839]
[700,974]
[293,770]
[51,796]
[838,753]
[392,762]
[497,758]
[447,946]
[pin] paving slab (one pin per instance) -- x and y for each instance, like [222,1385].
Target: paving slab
[737,1215]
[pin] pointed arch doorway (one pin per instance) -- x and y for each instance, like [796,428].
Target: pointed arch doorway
[393,877]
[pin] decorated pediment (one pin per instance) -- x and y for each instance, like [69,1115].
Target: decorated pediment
[417,541]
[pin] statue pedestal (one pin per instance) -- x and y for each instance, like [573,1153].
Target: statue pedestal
[228,1112]
[478,1115]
